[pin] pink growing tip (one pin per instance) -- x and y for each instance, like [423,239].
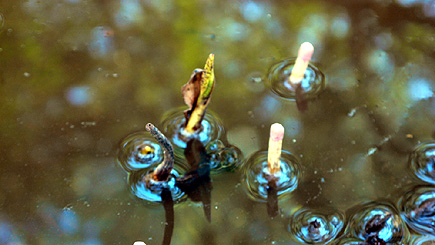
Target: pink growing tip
[306,51]
[276,132]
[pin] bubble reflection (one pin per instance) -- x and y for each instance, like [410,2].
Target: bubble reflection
[311,227]
[212,135]
[376,223]
[173,127]
[312,84]
[418,209]
[152,192]
[139,151]
[423,161]
[223,157]
[422,240]
[256,175]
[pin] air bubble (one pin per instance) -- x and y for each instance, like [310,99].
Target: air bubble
[139,151]
[151,192]
[311,227]
[256,175]
[417,208]
[423,161]
[173,127]
[223,157]
[312,84]
[377,223]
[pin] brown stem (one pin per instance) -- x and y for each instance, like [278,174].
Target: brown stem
[161,173]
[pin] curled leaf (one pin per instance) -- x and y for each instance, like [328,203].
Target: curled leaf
[197,93]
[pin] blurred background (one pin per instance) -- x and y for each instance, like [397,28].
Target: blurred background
[77,76]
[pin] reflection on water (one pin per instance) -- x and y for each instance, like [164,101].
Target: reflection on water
[78,76]
[312,84]
[377,223]
[315,228]
[256,175]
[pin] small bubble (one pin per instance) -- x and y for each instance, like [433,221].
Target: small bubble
[26,74]
[371,151]
[68,207]
[115,75]
[216,207]
[353,142]
[256,79]
[352,112]
[294,140]
[322,180]
[99,69]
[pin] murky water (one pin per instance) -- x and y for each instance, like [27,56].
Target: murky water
[78,77]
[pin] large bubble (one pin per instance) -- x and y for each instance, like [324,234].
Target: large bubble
[423,161]
[417,208]
[257,176]
[316,227]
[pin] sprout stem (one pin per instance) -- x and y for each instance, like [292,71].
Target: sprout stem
[304,56]
[161,173]
[275,145]
[207,84]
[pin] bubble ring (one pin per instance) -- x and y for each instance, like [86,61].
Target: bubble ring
[312,84]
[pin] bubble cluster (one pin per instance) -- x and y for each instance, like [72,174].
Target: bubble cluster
[139,151]
[212,135]
[312,84]
[311,227]
[223,157]
[257,176]
[377,223]
[417,208]
[423,161]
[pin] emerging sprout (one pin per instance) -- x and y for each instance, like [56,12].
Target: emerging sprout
[306,50]
[163,170]
[275,146]
[197,93]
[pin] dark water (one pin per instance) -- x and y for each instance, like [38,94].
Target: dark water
[79,76]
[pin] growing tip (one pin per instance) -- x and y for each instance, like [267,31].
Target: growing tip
[306,51]
[149,126]
[276,132]
[209,63]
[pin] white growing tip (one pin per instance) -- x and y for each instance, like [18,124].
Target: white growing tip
[276,132]
[275,145]
[306,51]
